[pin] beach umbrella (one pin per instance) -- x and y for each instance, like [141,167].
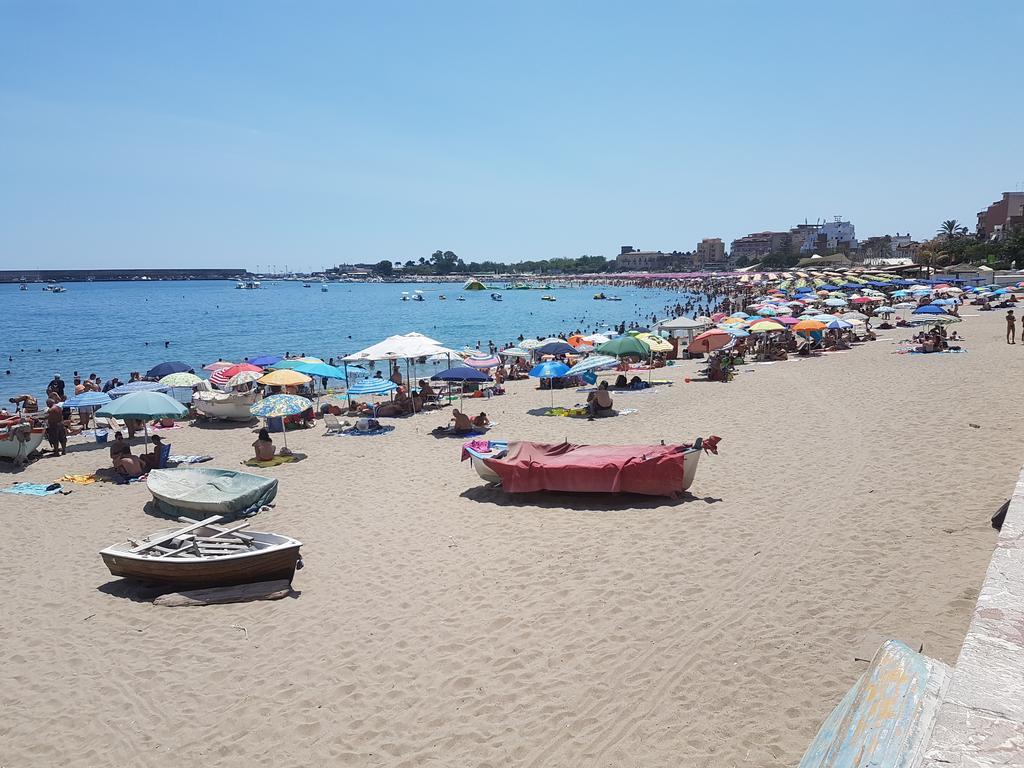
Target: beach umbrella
[944,302]
[530,344]
[786,320]
[739,333]
[768,311]
[718,317]
[838,324]
[180,379]
[654,342]
[217,365]
[711,340]
[280,406]
[905,305]
[220,377]
[143,405]
[514,352]
[245,377]
[551,370]
[137,386]
[575,340]
[592,363]
[932,320]
[835,302]
[851,316]
[323,370]
[593,338]
[265,360]
[462,374]
[884,310]
[929,309]
[740,314]
[765,326]
[163,369]
[482,362]
[372,386]
[87,401]
[623,345]
[808,325]
[555,347]
[284,378]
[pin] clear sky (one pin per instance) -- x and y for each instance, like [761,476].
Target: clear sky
[253,133]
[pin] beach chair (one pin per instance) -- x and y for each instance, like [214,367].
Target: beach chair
[333,425]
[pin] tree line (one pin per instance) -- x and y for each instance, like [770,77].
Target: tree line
[447,263]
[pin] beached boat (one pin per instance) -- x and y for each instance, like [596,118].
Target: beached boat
[524,466]
[885,719]
[205,554]
[230,406]
[224,492]
[18,440]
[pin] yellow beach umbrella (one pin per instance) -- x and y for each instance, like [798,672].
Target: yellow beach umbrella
[656,343]
[765,326]
[284,377]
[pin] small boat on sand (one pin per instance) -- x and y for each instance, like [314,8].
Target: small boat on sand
[232,406]
[205,554]
[886,718]
[523,467]
[185,491]
[18,439]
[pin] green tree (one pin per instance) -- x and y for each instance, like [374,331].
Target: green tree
[952,229]
[384,268]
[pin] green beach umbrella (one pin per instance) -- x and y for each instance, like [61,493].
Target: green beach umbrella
[624,345]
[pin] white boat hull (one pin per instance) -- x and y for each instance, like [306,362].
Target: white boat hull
[18,450]
[219,405]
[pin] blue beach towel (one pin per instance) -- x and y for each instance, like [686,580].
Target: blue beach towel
[34,489]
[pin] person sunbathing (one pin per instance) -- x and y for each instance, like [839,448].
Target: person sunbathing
[481,420]
[130,466]
[119,449]
[637,383]
[620,382]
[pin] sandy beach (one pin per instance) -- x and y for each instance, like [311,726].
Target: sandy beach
[440,623]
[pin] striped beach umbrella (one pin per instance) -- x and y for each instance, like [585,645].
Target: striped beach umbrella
[181,379]
[221,376]
[217,365]
[245,377]
[482,362]
[372,386]
[592,363]
[278,406]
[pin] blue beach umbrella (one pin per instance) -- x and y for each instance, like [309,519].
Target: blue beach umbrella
[280,405]
[137,386]
[551,370]
[372,386]
[164,369]
[739,333]
[838,324]
[460,373]
[265,360]
[87,400]
[555,348]
[929,309]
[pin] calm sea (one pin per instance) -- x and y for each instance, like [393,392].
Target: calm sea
[113,328]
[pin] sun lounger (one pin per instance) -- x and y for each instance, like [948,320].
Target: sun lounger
[334,426]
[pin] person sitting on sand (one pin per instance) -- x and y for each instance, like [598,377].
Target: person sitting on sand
[637,383]
[426,391]
[481,420]
[130,466]
[599,402]
[119,449]
[264,446]
[152,460]
[620,382]
[461,423]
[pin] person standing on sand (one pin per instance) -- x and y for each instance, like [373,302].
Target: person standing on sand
[56,432]
[1011,327]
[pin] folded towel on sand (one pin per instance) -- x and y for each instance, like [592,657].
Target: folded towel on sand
[188,459]
[79,479]
[34,489]
[382,430]
[279,459]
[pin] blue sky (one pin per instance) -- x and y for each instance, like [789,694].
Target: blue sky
[255,133]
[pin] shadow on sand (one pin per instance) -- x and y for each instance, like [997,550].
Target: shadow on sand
[579,502]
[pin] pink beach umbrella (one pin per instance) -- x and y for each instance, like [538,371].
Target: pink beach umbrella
[482,362]
[217,366]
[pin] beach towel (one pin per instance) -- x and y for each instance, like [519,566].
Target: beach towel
[450,431]
[279,459]
[79,479]
[382,430]
[34,489]
[580,412]
[164,429]
[188,459]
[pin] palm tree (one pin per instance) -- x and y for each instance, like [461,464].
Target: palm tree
[952,229]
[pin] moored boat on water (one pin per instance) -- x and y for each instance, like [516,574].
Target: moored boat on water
[205,554]
[496,297]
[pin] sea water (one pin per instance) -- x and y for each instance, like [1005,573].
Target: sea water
[113,328]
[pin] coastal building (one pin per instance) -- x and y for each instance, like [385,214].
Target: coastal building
[1002,216]
[710,254]
[835,235]
[632,260]
[757,245]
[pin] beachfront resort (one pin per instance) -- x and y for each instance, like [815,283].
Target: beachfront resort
[585,545]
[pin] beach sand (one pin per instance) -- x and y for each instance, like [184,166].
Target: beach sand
[440,623]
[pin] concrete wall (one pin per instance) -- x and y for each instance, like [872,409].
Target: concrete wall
[981,721]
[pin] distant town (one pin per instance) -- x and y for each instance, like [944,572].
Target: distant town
[996,244]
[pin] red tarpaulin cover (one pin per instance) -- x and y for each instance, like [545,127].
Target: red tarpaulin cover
[656,470]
